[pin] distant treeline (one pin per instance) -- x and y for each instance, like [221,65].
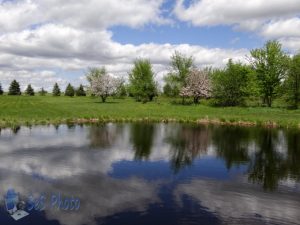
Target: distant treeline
[269,74]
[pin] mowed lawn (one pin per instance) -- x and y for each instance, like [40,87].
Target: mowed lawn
[20,110]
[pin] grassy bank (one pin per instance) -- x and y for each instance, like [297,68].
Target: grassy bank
[24,110]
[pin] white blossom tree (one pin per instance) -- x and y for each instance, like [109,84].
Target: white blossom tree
[102,84]
[198,85]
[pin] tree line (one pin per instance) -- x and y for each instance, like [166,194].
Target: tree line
[14,89]
[269,74]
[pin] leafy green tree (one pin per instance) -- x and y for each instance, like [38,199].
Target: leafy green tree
[121,90]
[141,78]
[1,90]
[29,90]
[56,90]
[270,64]
[80,91]
[14,88]
[181,66]
[42,92]
[167,90]
[69,90]
[292,83]
[230,85]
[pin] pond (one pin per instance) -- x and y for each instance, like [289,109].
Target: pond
[144,173]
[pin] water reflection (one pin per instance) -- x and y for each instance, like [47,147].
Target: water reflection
[133,173]
[186,143]
[141,137]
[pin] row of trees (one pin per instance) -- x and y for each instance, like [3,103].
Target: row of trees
[270,73]
[14,89]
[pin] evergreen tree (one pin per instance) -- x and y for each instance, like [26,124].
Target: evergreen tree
[56,90]
[42,92]
[14,88]
[29,90]
[1,90]
[70,90]
[80,91]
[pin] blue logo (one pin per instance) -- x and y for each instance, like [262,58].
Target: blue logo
[18,209]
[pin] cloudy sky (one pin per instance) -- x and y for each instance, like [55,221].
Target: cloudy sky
[47,41]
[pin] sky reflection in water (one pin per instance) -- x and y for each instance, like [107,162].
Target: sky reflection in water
[155,173]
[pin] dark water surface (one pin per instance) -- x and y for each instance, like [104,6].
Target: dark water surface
[153,174]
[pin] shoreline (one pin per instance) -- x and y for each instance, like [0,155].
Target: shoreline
[95,121]
[45,110]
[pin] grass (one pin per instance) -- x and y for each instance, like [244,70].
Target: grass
[25,110]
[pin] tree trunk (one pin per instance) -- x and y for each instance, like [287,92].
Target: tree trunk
[103,97]
[196,100]
[183,100]
[269,101]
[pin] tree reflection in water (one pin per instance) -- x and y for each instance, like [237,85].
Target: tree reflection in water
[270,155]
[186,143]
[232,144]
[142,135]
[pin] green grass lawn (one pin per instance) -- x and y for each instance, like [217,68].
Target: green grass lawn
[25,110]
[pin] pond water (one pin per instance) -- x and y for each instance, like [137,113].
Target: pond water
[152,174]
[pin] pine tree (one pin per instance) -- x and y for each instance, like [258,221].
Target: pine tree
[42,92]
[56,90]
[14,88]
[1,90]
[29,90]
[70,90]
[80,91]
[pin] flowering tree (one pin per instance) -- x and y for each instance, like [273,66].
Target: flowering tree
[102,84]
[198,85]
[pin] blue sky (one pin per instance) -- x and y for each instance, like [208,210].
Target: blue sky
[210,37]
[43,42]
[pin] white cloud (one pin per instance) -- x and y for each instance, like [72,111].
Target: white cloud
[226,198]
[287,31]
[282,28]
[270,19]
[235,12]
[92,14]
[56,46]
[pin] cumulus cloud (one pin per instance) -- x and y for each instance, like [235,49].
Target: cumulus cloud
[226,198]
[93,14]
[235,12]
[41,36]
[269,19]
[54,46]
